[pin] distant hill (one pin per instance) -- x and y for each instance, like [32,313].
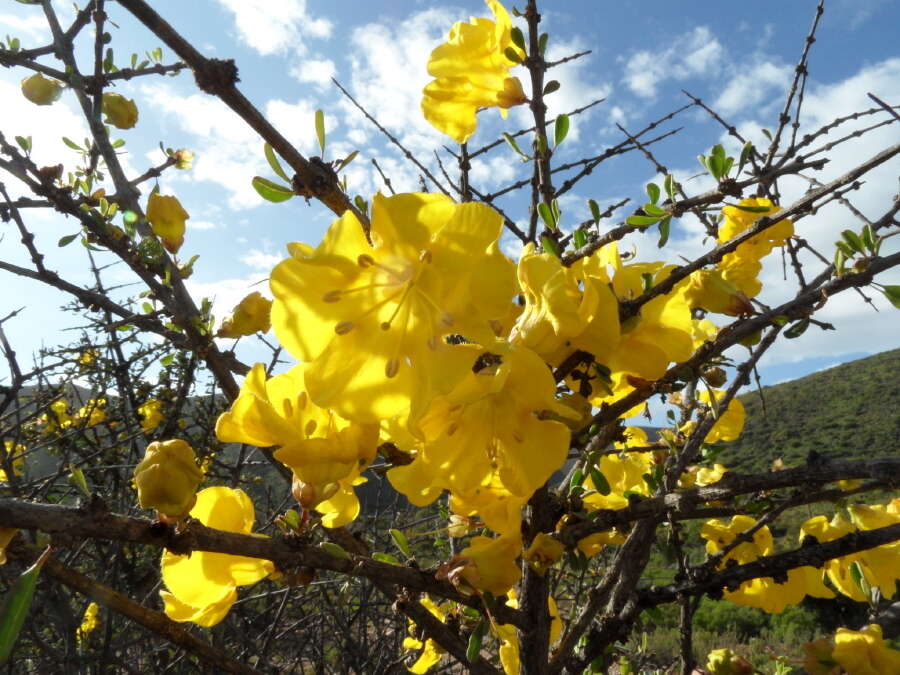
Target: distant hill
[849,411]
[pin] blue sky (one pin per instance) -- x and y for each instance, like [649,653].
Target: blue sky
[738,57]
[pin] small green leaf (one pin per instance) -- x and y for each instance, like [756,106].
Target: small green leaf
[853,241]
[551,86]
[511,142]
[550,245]
[868,238]
[580,238]
[320,130]
[271,191]
[892,293]
[68,239]
[653,210]
[646,282]
[642,221]
[653,193]
[746,151]
[669,186]
[846,250]
[577,479]
[750,209]
[561,129]
[595,210]
[72,144]
[344,162]
[334,550]
[542,43]
[24,143]
[664,225]
[361,204]
[716,166]
[780,320]
[167,360]
[546,214]
[797,329]
[401,541]
[557,214]
[272,159]
[512,54]
[385,558]
[76,478]
[766,133]
[517,37]
[600,482]
[839,260]
[473,649]
[16,605]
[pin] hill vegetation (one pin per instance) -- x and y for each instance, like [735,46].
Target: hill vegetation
[849,411]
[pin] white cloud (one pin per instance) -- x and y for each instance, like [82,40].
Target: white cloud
[23,118]
[752,84]
[691,54]
[201,225]
[270,28]
[261,260]
[32,27]
[388,62]
[315,71]
[228,152]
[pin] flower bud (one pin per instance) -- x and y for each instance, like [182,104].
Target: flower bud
[41,90]
[167,478]
[184,159]
[121,112]
[250,316]
[726,662]
[167,216]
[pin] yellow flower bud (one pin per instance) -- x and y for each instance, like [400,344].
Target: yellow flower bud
[726,662]
[184,159]
[41,90]
[167,216]
[167,478]
[121,112]
[250,316]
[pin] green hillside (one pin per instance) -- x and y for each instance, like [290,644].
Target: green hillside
[849,411]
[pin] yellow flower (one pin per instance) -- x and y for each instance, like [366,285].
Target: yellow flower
[12,453]
[184,159]
[431,650]
[167,478]
[730,422]
[543,553]
[881,565]
[250,315]
[93,412]
[726,662]
[817,657]
[325,452]
[763,593]
[472,72]
[57,417]
[167,217]
[490,564]
[864,652]
[88,356]
[89,622]
[709,290]
[488,433]
[741,267]
[201,587]
[623,473]
[509,637]
[699,476]
[370,321]
[566,308]
[151,415]
[41,90]
[121,112]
